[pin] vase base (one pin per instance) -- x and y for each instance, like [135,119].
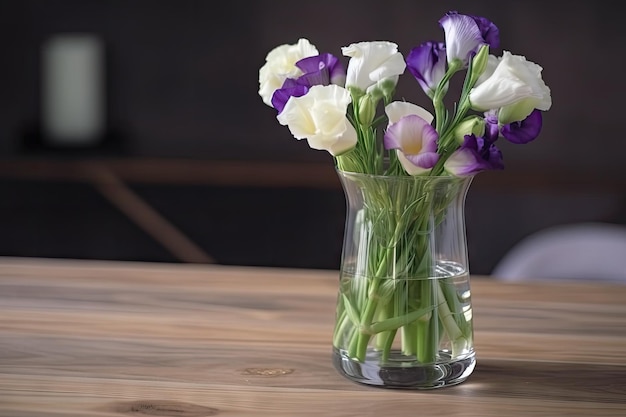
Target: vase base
[403,375]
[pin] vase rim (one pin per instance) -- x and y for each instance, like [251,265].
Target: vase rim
[403,177]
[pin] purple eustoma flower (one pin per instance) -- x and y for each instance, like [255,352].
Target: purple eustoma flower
[520,132]
[291,88]
[524,131]
[323,69]
[475,155]
[492,128]
[427,63]
[488,30]
[465,34]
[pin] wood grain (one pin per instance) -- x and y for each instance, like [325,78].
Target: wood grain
[92,338]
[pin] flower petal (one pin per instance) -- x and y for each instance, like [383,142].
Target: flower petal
[322,69]
[411,134]
[427,63]
[525,131]
[398,109]
[462,34]
[515,87]
[410,167]
[291,88]
[416,142]
[319,116]
[425,160]
[474,156]
[488,30]
[372,63]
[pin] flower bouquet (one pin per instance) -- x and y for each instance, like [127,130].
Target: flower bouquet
[403,311]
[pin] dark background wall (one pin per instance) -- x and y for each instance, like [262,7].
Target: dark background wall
[182,81]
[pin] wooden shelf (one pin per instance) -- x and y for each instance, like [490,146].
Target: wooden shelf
[278,174]
[175,171]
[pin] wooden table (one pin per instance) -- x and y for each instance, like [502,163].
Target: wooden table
[87,338]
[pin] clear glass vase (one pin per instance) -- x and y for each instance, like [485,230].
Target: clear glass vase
[404,312]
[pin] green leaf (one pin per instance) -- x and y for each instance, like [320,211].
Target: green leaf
[399,321]
[351,311]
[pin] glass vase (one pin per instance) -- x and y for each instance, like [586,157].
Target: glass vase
[404,312]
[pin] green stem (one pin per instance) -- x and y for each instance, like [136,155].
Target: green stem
[370,309]
[394,323]
[427,338]
[387,344]
[383,341]
[441,118]
[342,323]
[372,299]
[457,339]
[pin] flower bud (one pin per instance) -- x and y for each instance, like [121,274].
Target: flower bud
[470,125]
[367,109]
[479,64]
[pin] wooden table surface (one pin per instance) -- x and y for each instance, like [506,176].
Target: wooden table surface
[94,338]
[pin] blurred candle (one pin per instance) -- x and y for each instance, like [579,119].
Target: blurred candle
[73,90]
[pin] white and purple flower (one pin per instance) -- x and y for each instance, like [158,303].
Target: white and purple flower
[410,133]
[427,63]
[476,154]
[521,132]
[280,65]
[466,34]
[323,69]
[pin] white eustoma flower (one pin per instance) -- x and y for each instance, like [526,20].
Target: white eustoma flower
[492,64]
[280,65]
[515,87]
[319,116]
[372,64]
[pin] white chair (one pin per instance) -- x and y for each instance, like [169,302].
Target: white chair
[582,251]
